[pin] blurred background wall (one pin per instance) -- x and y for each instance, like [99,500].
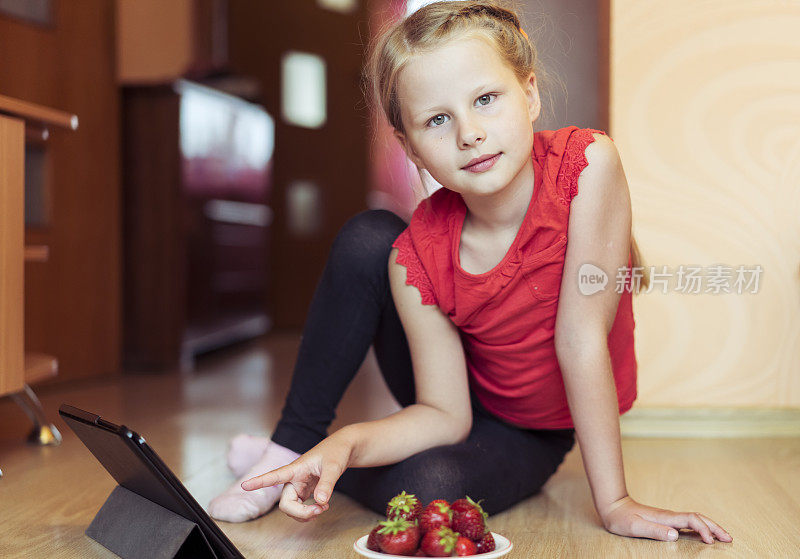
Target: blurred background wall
[704,111]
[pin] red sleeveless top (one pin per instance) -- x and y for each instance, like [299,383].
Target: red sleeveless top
[506,316]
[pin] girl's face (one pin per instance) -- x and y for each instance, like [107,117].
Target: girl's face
[460,102]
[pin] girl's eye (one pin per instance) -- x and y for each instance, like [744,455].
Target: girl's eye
[438,122]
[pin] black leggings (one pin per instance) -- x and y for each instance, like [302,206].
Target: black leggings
[353,308]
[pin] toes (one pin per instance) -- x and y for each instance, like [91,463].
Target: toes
[237,505]
[230,509]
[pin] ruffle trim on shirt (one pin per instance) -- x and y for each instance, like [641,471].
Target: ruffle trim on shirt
[510,269]
[573,162]
[415,273]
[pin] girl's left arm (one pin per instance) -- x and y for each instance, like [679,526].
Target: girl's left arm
[600,234]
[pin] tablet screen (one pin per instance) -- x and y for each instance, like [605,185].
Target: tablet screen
[137,467]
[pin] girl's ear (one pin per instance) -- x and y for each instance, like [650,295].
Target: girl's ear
[532,93]
[412,155]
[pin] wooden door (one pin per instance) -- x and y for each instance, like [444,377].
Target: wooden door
[331,159]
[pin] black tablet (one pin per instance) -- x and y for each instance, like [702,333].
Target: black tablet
[136,467]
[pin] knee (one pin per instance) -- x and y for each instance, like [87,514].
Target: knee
[438,473]
[381,225]
[365,240]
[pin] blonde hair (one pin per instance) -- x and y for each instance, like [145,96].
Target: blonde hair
[430,27]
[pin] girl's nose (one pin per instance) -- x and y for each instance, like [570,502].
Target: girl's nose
[471,133]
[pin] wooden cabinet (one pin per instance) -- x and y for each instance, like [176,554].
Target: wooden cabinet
[18,368]
[196,179]
[158,41]
[12,231]
[72,206]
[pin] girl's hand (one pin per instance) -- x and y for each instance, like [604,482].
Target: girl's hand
[318,468]
[626,517]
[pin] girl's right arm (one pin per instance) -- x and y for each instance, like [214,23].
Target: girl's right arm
[442,414]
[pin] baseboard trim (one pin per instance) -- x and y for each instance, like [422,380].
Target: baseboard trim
[710,422]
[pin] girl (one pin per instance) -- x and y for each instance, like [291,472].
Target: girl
[481,327]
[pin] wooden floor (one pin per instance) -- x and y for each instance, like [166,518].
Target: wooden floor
[49,495]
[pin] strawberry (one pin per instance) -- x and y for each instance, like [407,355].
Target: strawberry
[436,513]
[469,524]
[403,505]
[420,553]
[486,544]
[372,540]
[464,504]
[460,505]
[439,542]
[469,519]
[465,546]
[398,536]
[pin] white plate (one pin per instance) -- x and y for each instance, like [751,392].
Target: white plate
[501,547]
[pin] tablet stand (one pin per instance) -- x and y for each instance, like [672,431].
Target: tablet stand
[135,527]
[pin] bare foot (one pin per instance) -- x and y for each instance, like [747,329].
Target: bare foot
[244,451]
[237,505]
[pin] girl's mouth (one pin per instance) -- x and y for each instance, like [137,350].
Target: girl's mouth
[484,165]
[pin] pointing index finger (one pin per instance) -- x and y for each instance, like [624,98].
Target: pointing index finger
[273,477]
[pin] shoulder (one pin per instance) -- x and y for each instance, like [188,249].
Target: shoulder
[440,200]
[421,245]
[433,212]
[599,189]
[404,253]
[601,151]
[587,151]
[581,142]
[602,172]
